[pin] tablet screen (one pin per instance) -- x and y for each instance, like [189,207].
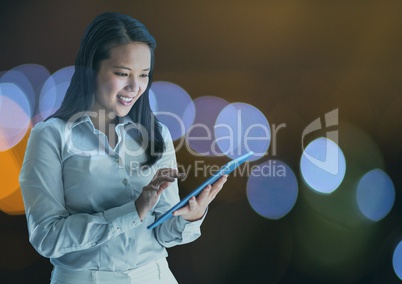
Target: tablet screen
[225,170]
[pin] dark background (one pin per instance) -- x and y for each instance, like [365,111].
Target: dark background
[295,61]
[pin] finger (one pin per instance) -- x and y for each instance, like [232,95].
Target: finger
[164,185]
[162,179]
[160,189]
[166,171]
[192,203]
[204,194]
[216,187]
[151,187]
[169,172]
[166,174]
[182,211]
[221,181]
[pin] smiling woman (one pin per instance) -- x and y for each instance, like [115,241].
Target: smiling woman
[120,82]
[117,53]
[86,209]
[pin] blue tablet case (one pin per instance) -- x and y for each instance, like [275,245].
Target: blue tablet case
[225,170]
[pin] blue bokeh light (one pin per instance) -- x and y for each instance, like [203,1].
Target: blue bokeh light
[241,128]
[174,107]
[152,101]
[15,115]
[397,260]
[37,76]
[23,83]
[54,90]
[201,136]
[323,165]
[35,73]
[272,189]
[375,194]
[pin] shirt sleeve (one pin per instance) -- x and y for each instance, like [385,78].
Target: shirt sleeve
[53,231]
[176,230]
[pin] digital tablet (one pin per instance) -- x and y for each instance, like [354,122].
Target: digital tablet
[225,170]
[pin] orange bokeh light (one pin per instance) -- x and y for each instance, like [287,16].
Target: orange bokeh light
[10,165]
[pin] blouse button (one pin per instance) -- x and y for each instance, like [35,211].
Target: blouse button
[125,182]
[116,160]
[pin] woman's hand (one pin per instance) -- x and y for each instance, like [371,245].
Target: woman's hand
[197,206]
[150,193]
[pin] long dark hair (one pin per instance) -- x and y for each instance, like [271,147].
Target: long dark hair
[105,32]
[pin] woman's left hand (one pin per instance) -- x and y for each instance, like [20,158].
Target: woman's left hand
[196,206]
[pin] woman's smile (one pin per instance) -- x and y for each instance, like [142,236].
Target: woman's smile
[126,101]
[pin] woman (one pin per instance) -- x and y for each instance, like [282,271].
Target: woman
[102,168]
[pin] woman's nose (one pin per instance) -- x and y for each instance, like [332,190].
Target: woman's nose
[132,86]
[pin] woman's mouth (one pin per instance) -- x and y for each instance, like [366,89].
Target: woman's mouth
[125,100]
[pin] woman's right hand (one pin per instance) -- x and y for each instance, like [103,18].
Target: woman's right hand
[150,193]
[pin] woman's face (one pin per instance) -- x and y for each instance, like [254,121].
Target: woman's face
[122,78]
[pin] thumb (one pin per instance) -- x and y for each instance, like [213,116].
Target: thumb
[184,210]
[192,203]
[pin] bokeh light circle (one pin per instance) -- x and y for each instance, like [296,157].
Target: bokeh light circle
[15,115]
[375,194]
[37,76]
[173,107]
[397,260]
[22,82]
[272,189]
[9,171]
[152,101]
[35,73]
[241,128]
[54,90]
[201,136]
[323,165]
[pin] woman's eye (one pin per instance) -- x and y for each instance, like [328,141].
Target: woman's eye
[121,74]
[144,75]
